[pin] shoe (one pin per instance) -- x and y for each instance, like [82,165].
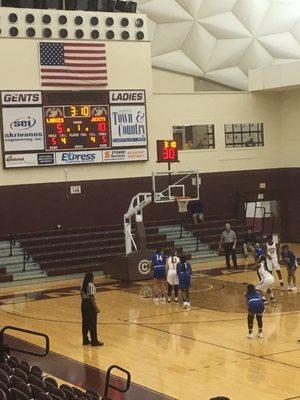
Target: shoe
[176,300]
[289,288]
[260,335]
[272,299]
[264,300]
[86,342]
[250,336]
[97,344]
[294,289]
[156,298]
[188,304]
[184,304]
[281,284]
[169,300]
[162,298]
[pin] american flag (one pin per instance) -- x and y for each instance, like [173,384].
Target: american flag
[73,64]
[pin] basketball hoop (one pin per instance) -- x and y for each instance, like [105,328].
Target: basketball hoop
[182,203]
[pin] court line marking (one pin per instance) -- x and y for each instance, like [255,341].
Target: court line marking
[281,352]
[216,345]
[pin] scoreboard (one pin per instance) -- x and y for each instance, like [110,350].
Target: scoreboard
[167,151]
[76,127]
[48,128]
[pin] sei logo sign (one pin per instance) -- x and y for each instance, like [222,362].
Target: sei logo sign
[23,123]
[23,128]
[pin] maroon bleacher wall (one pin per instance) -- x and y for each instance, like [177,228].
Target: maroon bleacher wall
[38,207]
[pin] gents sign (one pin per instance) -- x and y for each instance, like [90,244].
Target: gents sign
[21,98]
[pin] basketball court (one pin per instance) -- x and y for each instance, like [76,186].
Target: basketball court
[180,354]
[134,132]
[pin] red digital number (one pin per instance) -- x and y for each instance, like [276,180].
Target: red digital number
[102,126]
[53,141]
[103,139]
[59,128]
[165,154]
[171,153]
[168,154]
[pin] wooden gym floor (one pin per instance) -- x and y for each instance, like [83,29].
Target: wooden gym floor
[186,355]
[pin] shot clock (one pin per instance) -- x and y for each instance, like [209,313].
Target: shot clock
[167,151]
[76,127]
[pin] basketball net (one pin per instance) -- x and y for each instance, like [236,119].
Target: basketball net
[182,203]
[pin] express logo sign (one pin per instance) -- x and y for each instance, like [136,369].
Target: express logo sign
[78,157]
[23,123]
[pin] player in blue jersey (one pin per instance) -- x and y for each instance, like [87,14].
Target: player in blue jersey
[257,251]
[255,308]
[184,271]
[290,261]
[158,264]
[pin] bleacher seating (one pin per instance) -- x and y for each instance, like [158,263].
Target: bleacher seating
[71,251]
[20,381]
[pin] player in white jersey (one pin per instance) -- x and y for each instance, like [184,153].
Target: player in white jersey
[272,249]
[266,279]
[172,277]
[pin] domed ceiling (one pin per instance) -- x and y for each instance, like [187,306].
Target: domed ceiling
[221,40]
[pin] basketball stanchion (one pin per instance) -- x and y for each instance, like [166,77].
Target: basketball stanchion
[182,209]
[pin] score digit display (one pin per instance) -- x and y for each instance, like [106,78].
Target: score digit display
[76,127]
[167,151]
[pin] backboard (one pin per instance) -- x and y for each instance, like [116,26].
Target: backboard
[168,185]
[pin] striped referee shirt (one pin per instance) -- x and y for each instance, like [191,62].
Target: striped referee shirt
[91,291]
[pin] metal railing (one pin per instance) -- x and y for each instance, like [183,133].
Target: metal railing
[108,385]
[5,349]
[12,243]
[26,255]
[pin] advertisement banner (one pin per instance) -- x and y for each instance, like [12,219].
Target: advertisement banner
[29,160]
[23,129]
[110,156]
[45,158]
[128,126]
[79,157]
[21,98]
[127,96]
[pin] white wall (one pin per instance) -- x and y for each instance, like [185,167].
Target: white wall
[220,109]
[170,82]
[129,66]
[289,151]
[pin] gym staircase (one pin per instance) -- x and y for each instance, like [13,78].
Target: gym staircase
[12,259]
[187,242]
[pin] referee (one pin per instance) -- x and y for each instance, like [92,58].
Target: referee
[229,238]
[89,311]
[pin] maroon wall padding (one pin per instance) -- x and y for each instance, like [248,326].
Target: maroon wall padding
[38,207]
[6,278]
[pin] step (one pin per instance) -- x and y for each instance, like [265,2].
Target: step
[29,275]
[15,252]
[19,267]
[6,261]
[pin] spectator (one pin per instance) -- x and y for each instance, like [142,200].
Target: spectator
[197,211]
[229,238]
[188,145]
[249,242]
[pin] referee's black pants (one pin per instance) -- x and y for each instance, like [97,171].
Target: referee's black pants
[89,321]
[230,251]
